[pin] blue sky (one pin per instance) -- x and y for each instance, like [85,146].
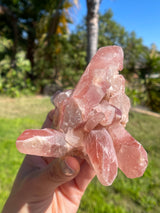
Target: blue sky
[141,16]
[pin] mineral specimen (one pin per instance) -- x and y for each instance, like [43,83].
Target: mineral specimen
[90,121]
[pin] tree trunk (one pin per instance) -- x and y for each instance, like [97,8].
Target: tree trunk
[92,27]
[54,21]
[30,48]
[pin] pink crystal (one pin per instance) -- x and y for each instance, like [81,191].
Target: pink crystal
[43,142]
[132,158]
[90,122]
[101,153]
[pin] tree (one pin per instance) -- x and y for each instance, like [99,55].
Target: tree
[9,25]
[112,33]
[150,74]
[20,19]
[52,36]
[19,22]
[92,27]
[74,57]
[37,27]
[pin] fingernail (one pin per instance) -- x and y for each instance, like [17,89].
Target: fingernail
[67,170]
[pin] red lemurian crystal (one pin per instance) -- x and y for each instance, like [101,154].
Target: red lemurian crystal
[90,122]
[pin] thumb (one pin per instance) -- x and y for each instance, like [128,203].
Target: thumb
[58,172]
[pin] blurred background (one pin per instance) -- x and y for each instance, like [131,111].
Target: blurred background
[45,46]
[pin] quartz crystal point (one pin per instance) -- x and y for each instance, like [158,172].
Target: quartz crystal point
[43,142]
[90,122]
[101,153]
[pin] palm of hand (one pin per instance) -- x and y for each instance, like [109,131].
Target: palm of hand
[41,197]
[42,186]
[67,196]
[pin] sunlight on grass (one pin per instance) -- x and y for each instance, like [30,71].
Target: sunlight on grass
[131,195]
[20,107]
[124,196]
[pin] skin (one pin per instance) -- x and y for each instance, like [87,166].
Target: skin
[47,185]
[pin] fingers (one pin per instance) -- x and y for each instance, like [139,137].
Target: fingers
[62,172]
[85,175]
[55,174]
[49,120]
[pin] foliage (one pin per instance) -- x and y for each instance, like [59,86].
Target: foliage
[54,59]
[18,22]
[153,87]
[134,94]
[150,73]
[74,59]
[125,195]
[53,41]
[14,79]
[140,62]
[63,64]
[112,33]
[33,22]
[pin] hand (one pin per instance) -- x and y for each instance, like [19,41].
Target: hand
[47,185]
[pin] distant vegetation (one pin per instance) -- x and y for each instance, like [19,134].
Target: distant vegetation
[140,195]
[38,55]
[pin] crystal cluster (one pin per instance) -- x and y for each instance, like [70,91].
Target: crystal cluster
[90,121]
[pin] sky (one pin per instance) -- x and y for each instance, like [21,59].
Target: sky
[141,16]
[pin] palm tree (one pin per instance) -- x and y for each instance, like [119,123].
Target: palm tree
[92,27]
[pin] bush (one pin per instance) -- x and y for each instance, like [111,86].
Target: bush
[154,94]
[14,80]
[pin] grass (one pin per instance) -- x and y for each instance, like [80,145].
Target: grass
[138,195]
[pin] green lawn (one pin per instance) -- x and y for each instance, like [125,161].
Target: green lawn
[124,196]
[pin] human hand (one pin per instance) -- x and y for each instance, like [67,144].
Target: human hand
[47,185]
